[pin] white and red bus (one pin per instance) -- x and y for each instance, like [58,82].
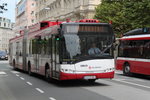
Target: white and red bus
[133,52]
[61,50]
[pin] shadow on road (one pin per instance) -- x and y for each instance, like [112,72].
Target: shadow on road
[75,83]
[140,76]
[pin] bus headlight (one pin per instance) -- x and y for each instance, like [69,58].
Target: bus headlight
[67,70]
[109,70]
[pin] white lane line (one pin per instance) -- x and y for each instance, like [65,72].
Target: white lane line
[140,80]
[133,84]
[3,62]
[41,91]
[22,78]
[118,79]
[15,72]
[51,98]
[118,72]
[29,83]
[17,75]
[2,73]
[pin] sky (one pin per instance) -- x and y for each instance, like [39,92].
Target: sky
[10,13]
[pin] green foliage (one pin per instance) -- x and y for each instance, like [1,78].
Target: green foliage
[3,7]
[125,14]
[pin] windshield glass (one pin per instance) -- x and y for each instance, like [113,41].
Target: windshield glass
[2,53]
[87,42]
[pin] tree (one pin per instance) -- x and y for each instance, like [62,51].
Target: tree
[125,14]
[3,7]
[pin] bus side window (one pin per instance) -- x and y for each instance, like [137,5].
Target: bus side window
[146,50]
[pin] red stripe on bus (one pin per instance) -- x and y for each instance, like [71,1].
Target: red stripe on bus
[68,76]
[140,38]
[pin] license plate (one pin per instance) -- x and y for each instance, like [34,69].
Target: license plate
[89,77]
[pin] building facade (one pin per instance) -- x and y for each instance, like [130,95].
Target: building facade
[62,9]
[25,14]
[6,33]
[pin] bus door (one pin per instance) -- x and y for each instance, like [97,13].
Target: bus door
[17,54]
[24,54]
[37,50]
[55,57]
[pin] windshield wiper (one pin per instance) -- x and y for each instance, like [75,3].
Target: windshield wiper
[109,46]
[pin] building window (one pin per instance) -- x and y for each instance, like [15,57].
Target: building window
[32,20]
[32,12]
[4,24]
[33,4]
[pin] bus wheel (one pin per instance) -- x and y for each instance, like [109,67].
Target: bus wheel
[47,76]
[29,70]
[14,65]
[91,80]
[126,69]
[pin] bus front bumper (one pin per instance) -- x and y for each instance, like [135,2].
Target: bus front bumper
[69,76]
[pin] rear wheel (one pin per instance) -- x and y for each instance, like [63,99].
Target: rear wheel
[14,65]
[47,74]
[29,69]
[126,69]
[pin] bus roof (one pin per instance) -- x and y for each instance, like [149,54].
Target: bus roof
[82,23]
[139,31]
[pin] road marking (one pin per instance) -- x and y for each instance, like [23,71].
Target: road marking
[118,72]
[15,72]
[17,75]
[4,62]
[41,91]
[22,78]
[118,79]
[140,80]
[51,98]
[29,83]
[2,73]
[132,83]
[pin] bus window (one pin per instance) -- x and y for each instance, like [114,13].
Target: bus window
[147,49]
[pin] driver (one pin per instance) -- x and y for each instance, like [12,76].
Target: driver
[94,50]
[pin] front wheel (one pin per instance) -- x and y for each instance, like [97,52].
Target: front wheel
[126,69]
[29,71]
[14,65]
[47,75]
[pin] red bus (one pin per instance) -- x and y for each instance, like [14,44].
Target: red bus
[63,51]
[133,52]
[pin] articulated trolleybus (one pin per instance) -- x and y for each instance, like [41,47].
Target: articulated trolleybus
[65,50]
[134,52]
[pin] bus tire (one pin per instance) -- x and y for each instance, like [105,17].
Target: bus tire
[92,80]
[126,69]
[29,69]
[14,65]
[47,73]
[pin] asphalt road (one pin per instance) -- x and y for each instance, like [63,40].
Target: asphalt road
[16,85]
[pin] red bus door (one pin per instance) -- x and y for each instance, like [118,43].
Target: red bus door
[36,56]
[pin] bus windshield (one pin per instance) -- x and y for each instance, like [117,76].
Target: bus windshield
[87,42]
